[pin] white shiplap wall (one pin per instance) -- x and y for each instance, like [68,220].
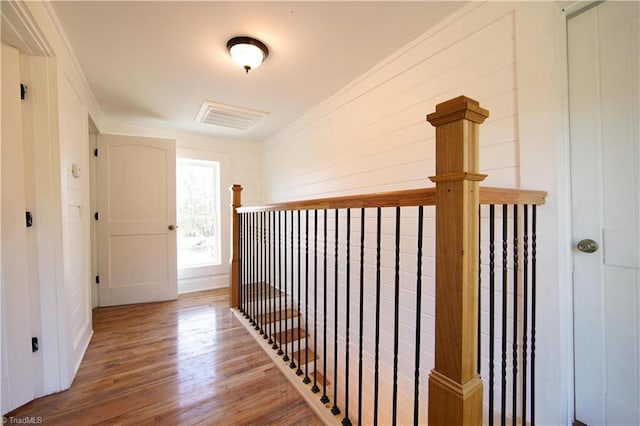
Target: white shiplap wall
[74,150]
[372,136]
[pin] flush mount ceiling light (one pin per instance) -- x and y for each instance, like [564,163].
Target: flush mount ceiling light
[247,52]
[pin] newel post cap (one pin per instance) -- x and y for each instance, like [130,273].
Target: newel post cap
[457,109]
[236,191]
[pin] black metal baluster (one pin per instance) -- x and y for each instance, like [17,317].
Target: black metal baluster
[256,266]
[279,283]
[299,371]
[261,272]
[396,322]
[267,267]
[258,274]
[361,316]
[283,254]
[492,312]
[277,271]
[265,280]
[525,303]
[292,364]
[263,288]
[514,388]
[254,297]
[345,420]
[324,398]
[261,277]
[269,277]
[273,282]
[306,379]
[533,314]
[245,249]
[376,378]
[315,388]
[416,374]
[274,257]
[503,412]
[240,263]
[247,262]
[335,410]
[285,358]
[479,366]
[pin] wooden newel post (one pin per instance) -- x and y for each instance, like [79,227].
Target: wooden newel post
[236,201]
[455,388]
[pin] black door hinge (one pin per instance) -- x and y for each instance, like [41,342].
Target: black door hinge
[23,91]
[95,152]
[29,218]
[96,215]
[34,344]
[97,279]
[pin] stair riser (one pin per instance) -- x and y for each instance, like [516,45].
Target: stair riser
[275,304]
[290,345]
[284,324]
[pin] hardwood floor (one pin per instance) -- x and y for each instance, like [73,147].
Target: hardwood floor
[174,363]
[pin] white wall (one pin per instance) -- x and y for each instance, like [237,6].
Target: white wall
[76,241]
[43,188]
[372,136]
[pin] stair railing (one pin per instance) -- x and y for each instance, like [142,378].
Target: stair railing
[292,253]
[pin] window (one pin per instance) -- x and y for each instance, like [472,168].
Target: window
[198,213]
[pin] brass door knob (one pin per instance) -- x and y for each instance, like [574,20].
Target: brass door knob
[172,227]
[587,246]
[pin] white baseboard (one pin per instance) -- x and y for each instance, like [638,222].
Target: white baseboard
[190,285]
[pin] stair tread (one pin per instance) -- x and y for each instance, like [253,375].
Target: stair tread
[290,335]
[277,316]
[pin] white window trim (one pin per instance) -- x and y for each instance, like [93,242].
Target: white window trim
[223,267]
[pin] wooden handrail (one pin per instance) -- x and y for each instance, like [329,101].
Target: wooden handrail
[491,195]
[402,198]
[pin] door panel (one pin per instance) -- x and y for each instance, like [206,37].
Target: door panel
[605,152]
[136,203]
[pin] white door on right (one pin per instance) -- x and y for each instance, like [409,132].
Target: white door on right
[605,157]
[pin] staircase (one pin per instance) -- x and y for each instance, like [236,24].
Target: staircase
[272,319]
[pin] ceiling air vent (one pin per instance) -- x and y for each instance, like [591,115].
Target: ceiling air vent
[228,115]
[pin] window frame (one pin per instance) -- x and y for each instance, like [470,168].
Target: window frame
[223,200]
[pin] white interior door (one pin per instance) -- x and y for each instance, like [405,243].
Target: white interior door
[137,216]
[605,152]
[17,359]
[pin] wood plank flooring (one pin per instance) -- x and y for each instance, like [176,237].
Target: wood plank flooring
[186,362]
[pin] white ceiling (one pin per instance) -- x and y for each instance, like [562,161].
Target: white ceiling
[153,63]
